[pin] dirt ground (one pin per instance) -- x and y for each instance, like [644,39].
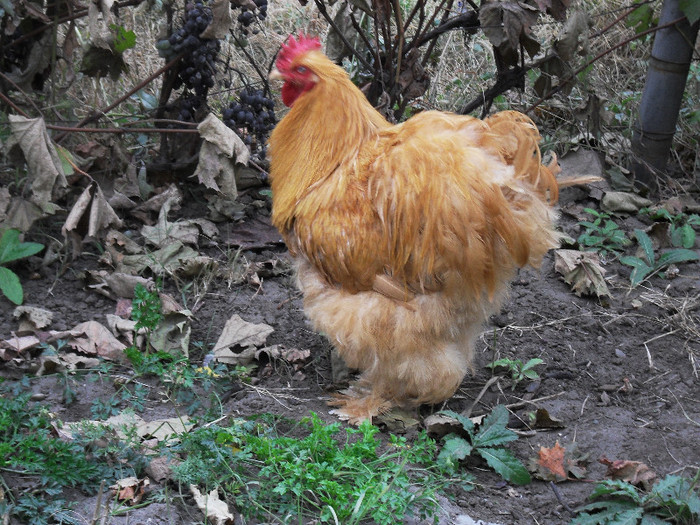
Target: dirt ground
[622,377]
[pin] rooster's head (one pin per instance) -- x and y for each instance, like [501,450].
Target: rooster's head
[294,67]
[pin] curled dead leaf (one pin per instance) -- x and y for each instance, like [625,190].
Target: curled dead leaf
[634,472]
[558,463]
[582,271]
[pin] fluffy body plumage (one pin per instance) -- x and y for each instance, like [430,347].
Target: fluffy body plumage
[405,236]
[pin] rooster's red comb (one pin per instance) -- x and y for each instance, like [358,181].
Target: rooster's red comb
[294,47]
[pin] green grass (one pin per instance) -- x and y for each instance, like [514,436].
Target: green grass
[331,475]
[30,449]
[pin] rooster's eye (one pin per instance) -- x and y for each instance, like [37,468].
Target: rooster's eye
[301,69]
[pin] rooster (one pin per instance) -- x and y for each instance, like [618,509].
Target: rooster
[406,236]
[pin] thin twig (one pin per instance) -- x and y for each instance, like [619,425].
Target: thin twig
[100,113]
[570,76]
[491,381]
[560,499]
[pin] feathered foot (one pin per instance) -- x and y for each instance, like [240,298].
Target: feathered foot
[358,404]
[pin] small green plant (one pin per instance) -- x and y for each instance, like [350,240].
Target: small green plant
[519,371]
[30,448]
[146,308]
[644,268]
[11,249]
[682,226]
[602,235]
[485,442]
[320,476]
[672,500]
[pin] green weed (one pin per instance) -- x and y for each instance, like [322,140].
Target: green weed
[672,500]
[682,226]
[320,476]
[11,249]
[146,308]
[644,268]
[29,448]
[602,235]
[519,371]
[485,442]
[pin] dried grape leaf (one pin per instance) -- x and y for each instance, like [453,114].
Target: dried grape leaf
[44,166]
[558,463]
[582,271]
[634,472]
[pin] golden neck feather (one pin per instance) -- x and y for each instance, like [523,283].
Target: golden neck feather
[324,129]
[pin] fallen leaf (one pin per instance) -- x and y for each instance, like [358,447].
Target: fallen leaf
[170,258]
[623,202]
[397,420]
[172,334]
[13,346]
[21,215]
[164,429]
[91,207]
[252,234]
[161,468]
[242,335]
[131,490]
[582,271]
[32,318]
[551,463]
[44,167]
[213,508]
[116,285]
[97,339]
[154,204]
[185,231]
[544,420]
[634,472]
[558,463]
[219,153]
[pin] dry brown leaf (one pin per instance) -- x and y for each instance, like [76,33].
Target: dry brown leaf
[582,271]
[243,336]
[116,285]
[172,334]
[212,506]
[220,151]
[552,460]
[544,420]
[32,318]
[557,462]
[99,18]
[94,338]
[634,472]
[93,206]
[22,215]
[155,203]
[39,58]
[13,346]
[131,490]
[171,258]
[5,199]
[623,202]
[44,166]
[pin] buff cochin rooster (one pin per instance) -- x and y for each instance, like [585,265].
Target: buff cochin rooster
[406,236]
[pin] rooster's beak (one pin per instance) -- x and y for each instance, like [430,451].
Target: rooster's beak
[276,75]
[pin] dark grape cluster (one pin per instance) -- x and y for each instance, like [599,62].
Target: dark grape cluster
[197,67]
[252,116]
[188,106]
[250,14]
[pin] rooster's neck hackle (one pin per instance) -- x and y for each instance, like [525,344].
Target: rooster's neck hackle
[326,128]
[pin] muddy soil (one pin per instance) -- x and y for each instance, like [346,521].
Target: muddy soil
[621,377]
